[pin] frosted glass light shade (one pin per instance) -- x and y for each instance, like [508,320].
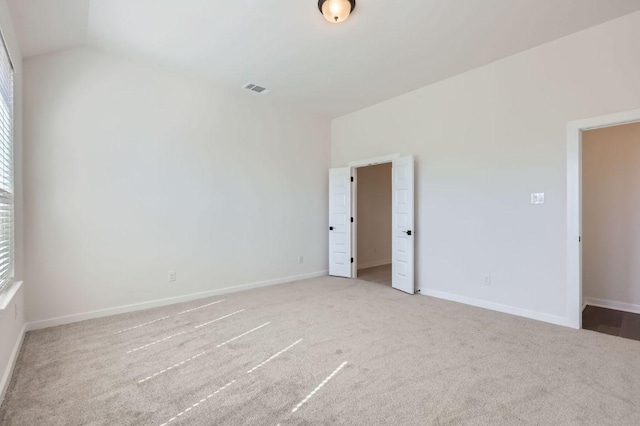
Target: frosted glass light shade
[336,11]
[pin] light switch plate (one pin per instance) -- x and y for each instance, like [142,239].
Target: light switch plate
[537,198]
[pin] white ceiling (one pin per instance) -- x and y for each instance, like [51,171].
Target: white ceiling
[385,49]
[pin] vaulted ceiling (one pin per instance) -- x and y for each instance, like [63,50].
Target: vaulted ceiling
[385,49]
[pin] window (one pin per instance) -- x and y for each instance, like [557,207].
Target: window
[6,168]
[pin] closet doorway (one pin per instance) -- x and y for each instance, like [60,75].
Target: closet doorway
[344,259]
[373,220]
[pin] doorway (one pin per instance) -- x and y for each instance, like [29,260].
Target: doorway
[343,220]
[611,230]
[576,132]
[373,223]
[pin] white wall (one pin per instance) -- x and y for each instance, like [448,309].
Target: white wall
[132,171]
[12,324]
[374,215]
[484,141]
[611,216]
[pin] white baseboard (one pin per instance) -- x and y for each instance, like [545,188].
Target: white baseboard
[374,263]
[8,372]
[68,319]
[610,304]
[553,319]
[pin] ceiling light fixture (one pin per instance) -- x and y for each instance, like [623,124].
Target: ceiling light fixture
[336,11]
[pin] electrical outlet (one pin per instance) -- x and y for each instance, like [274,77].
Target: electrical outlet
[300,259]
[487,280]
[172,276]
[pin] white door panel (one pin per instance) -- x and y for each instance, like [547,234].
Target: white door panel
[340,222]
[403,225]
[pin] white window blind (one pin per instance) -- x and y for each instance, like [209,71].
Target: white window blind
[6,168]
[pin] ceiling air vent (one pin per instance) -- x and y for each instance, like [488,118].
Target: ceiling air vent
[256,88]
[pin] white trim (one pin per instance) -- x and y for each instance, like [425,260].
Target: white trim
[609,120]
[374,263]
[553,319]
[354,225]
[37,325]
[374,161]
[610,304]
[574,226]
[574,200]
[7,294]
[8,372]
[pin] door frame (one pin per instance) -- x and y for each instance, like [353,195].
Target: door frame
[574,203]
[355,165]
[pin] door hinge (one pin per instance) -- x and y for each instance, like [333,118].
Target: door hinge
[579,239]
[351,178]
[352,260]
[351,220]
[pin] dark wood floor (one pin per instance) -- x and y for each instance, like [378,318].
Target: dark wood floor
[609,321]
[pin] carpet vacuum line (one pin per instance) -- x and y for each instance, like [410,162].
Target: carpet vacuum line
[188,409]
[197,403]
[167,317]
[181,363]
[273,356]
[244,334]
[184,332]
[313,392]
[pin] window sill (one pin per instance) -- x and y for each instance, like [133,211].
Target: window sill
[7,295]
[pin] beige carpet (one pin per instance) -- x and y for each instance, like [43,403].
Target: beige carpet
[377,274]
[410,360]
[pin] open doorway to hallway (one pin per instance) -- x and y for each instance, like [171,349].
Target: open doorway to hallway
[374,223]
[611,230]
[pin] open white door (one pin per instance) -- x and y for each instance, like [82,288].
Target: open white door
[403,232]
[340,222]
